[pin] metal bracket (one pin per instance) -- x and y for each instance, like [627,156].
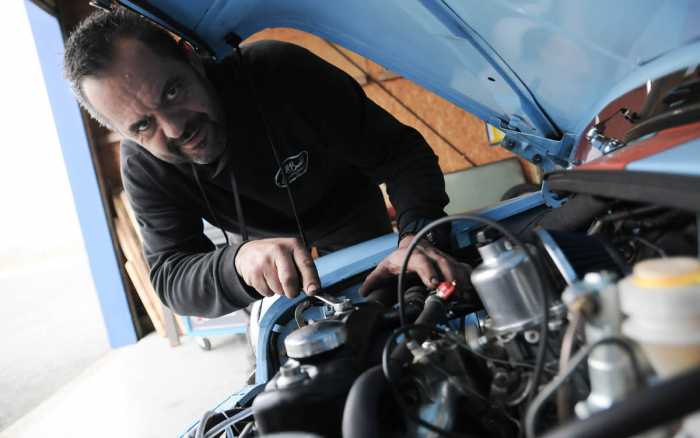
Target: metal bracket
[604,144]
[550,198]
[543,152]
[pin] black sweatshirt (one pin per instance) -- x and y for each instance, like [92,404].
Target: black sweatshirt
[336,146]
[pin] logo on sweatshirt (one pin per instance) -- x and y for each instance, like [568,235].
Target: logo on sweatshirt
[294,167]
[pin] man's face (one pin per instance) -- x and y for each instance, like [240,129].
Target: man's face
[166,105]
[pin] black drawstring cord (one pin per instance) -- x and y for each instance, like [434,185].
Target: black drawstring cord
[211,210]
[270,140]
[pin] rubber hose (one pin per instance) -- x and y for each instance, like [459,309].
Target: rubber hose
[653,406]
[434,311]
[361,412]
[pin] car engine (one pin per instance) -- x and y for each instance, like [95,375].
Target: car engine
[614,354]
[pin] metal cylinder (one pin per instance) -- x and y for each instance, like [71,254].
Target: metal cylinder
[315,339]
[610,371]
[507,284]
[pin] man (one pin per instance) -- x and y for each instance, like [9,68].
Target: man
[199,136]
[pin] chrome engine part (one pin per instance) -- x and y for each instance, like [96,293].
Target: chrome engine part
[315,339]
[610,371]
[507,284]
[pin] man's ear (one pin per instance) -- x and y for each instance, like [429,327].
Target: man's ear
[191,55]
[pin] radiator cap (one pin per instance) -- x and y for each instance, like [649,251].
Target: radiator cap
[315,339]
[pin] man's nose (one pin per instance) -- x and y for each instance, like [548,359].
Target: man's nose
[172,124]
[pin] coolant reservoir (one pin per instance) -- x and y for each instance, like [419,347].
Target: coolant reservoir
[662,301]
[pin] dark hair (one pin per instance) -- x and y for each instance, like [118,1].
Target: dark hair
[90,47]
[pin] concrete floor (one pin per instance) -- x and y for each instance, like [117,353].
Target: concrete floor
[51,329]
[59,378]
[144,390]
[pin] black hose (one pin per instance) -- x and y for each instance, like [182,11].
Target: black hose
[361,413]
[651,407]
[434,312]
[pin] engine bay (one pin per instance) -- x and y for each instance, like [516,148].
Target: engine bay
[619,284]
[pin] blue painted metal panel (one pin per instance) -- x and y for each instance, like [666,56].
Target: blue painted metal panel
[83,181]
[564,56]
[570,52]
[680,160]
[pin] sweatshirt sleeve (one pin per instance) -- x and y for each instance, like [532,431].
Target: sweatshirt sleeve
[361,133]
[190,275]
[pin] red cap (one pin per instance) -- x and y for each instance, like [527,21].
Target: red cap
[446,289]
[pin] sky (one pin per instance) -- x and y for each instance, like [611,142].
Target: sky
[37,216]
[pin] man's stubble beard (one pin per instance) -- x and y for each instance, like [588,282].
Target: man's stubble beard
[210,152]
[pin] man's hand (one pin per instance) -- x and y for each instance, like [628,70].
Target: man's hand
[274,266]
[431,265]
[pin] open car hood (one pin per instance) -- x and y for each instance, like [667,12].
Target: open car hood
[539,70]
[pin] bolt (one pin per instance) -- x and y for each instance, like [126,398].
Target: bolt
[429,346]
[508,143]
[532,336]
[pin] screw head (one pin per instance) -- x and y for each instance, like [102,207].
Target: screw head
[532,336]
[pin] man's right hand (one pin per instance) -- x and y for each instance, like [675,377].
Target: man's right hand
[279,266]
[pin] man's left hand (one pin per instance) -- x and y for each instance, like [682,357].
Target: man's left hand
[431,265]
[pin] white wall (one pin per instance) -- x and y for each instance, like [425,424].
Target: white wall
[37,214]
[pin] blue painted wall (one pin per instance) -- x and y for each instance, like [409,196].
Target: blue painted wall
[81,174]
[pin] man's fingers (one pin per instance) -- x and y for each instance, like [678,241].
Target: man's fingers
[260,284]
[277,265]
[380,273]
[446,268]
[307,269]
[423,266]
[272,279]
[287,272]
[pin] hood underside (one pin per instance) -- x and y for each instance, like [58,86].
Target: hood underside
[540,70]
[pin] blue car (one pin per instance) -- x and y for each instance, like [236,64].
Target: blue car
[585,311]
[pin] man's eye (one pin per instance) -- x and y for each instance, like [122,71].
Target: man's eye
[171,93]
[143,125]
